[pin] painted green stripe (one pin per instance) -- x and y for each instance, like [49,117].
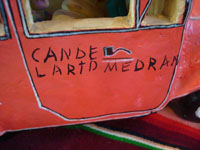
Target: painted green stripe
[121,139]
[73,126]
[113,137]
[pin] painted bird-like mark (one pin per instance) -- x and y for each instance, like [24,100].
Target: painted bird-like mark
[110,51]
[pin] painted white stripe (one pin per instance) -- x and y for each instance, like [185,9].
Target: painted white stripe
[118,60]
[143,13]
[130,137]
[195,18]
[71,123]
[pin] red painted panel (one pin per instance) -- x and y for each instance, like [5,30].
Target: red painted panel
[188,76]
[86,89]
[91,89]
[195,8]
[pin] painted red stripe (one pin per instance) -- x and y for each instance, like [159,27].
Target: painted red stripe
[152,132]
[172,125]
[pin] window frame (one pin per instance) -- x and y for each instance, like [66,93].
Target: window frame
[186,14]
[28,34]
[138,20]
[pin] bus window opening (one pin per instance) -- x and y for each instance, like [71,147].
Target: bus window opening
[45,15]
[165,12]
[2,32]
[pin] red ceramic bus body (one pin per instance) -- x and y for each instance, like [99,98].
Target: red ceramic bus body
[73,77]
